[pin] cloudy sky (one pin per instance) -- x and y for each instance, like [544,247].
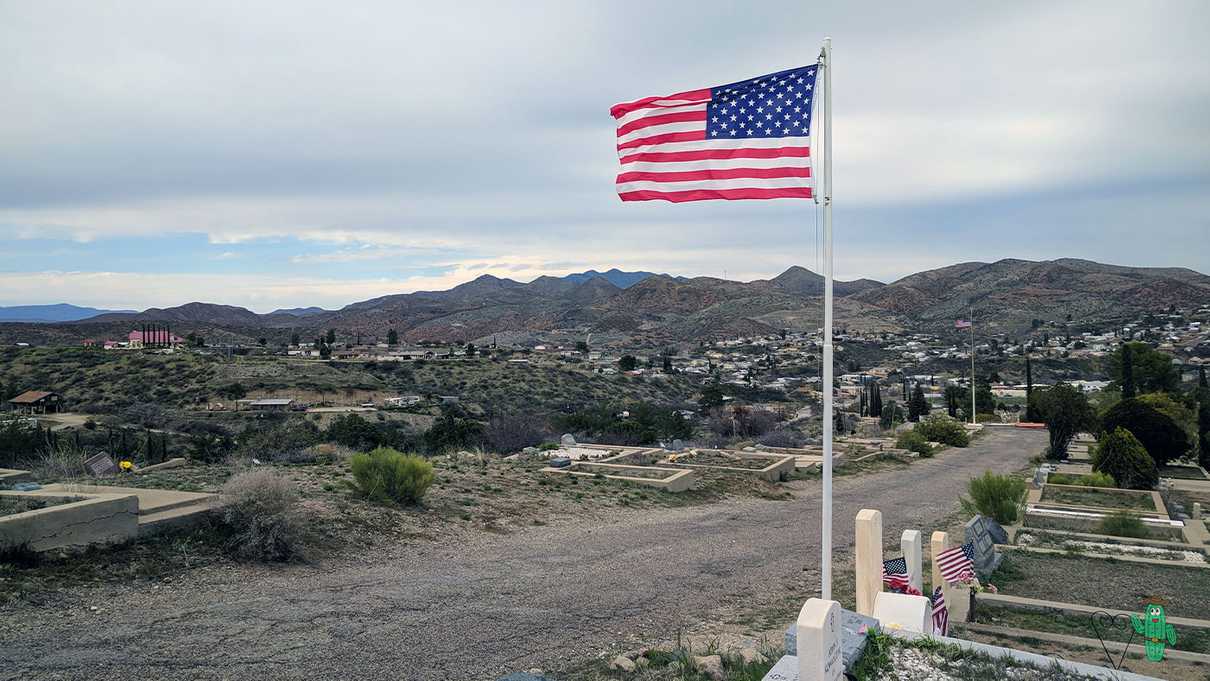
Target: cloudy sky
[278,154]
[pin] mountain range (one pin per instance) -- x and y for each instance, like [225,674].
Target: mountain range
[1005,295]
[60,312]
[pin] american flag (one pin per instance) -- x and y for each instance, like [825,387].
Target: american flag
[941,613]
[895,574]
[957,564]
[961,324]
[746,140]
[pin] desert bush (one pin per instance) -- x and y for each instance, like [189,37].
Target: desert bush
[944,430]
[987,418]
[507,434]
[783,437]
[389,475]
[279,440]
[1121,456]
[741,421]
[1123,524]
[1090,480]
[915,442]
[452,432]
[262,517]
[998,497]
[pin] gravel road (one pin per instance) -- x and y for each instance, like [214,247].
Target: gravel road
[479,608]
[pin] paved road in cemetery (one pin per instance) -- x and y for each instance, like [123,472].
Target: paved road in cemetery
[494,604]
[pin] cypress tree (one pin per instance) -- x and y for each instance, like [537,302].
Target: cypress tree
[1029,391]
[1128,389]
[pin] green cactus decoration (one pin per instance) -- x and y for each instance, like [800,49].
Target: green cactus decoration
[1154,627]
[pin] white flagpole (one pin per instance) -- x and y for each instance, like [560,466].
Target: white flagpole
[826,558]
[972,318]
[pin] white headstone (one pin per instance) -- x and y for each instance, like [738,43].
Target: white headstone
[1197,510]
[819,646]
[567,440]
[867,561]
[913,555]
[901,611]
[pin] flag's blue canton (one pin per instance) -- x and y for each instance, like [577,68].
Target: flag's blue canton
[777,105]
[895,566]
[968,549]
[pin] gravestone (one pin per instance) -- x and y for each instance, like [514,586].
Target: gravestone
[902,611]
[568,440]
[853,627]
[819,637]
[984,533]
[913,555]
[677,445]
[1040,475]
[100,464]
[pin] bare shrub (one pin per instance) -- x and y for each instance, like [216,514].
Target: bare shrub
[783,437]
[741,421]
[64,463]
[507,434]
[262,515]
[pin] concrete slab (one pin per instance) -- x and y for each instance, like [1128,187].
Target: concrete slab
[83,521]
[11,476]
[150,500]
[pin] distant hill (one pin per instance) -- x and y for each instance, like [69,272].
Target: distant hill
[614,276]
[804,281]
[1010,293]
[198,313]
[61,312]
[658,308]
[300,311]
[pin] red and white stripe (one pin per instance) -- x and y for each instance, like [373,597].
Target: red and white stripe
[665,156]
[941,613]
[955,567]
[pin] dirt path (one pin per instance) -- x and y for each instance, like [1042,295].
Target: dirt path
[480,609]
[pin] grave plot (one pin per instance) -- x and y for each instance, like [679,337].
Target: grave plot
[1101,511]
[668,479]
[771,467]
[1102,498]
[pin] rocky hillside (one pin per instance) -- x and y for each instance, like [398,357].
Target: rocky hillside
[1011,293]
[656,308]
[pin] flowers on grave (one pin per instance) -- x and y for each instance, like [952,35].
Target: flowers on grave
[126,465]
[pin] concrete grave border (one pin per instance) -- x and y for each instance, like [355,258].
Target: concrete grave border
[678,480]
[90,519]
[781,464]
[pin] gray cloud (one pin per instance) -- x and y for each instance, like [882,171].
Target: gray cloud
[485,126]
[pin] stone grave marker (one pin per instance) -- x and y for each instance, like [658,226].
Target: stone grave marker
[901,611]
[984,533]
[853,627]
[568,440]
[819,647]
[677,445]
[1040,475]
[100,464]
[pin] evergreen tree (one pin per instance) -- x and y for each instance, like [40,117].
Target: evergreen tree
[918,406]
[392,337]
[1128,389]
[1030,414]
[331,337]
[876,409]
[1201,377]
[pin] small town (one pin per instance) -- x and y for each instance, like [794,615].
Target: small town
[533,342]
